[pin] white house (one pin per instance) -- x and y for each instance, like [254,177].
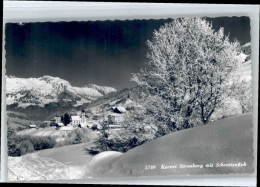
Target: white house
[79,119]
[115,118]
[75,120]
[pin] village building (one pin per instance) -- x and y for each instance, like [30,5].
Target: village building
[75,120]
[79,119]
[55,120]
[115,118]
[32,126]
[59,125]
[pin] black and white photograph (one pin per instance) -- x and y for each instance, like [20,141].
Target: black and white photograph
[129,98]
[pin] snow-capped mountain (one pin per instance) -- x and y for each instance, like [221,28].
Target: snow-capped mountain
[102,89]
[45,90]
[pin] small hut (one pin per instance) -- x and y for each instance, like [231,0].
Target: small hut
[32,126]
[59,125]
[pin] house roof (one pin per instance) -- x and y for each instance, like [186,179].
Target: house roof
[60,124]
[119,109]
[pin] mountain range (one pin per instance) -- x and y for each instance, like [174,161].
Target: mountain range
[44,97]
[25,92]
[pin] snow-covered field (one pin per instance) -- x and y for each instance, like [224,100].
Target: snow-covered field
[52,164]
[48,131]
[103,157]
[225,141]
[59,135]
[33,167]
[63,163]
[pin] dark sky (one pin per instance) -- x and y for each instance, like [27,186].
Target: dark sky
[100,52]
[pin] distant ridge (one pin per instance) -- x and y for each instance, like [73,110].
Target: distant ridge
[44,90]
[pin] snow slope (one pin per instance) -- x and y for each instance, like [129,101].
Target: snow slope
[32,167]
[62,163]
[246,68]
[224,141]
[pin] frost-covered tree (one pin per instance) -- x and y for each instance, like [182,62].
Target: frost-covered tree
[242,92]
[187,72]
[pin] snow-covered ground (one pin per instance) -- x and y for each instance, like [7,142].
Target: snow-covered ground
[246,72]
[103,157]
[32,167]
[227,141]
[63,163]
[48,131]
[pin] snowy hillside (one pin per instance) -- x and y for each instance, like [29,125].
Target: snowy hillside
[126,98]
[47,89]
[244,71]
[225,141]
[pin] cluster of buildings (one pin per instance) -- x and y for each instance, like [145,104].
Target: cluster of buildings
[78,120]
[113,120]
